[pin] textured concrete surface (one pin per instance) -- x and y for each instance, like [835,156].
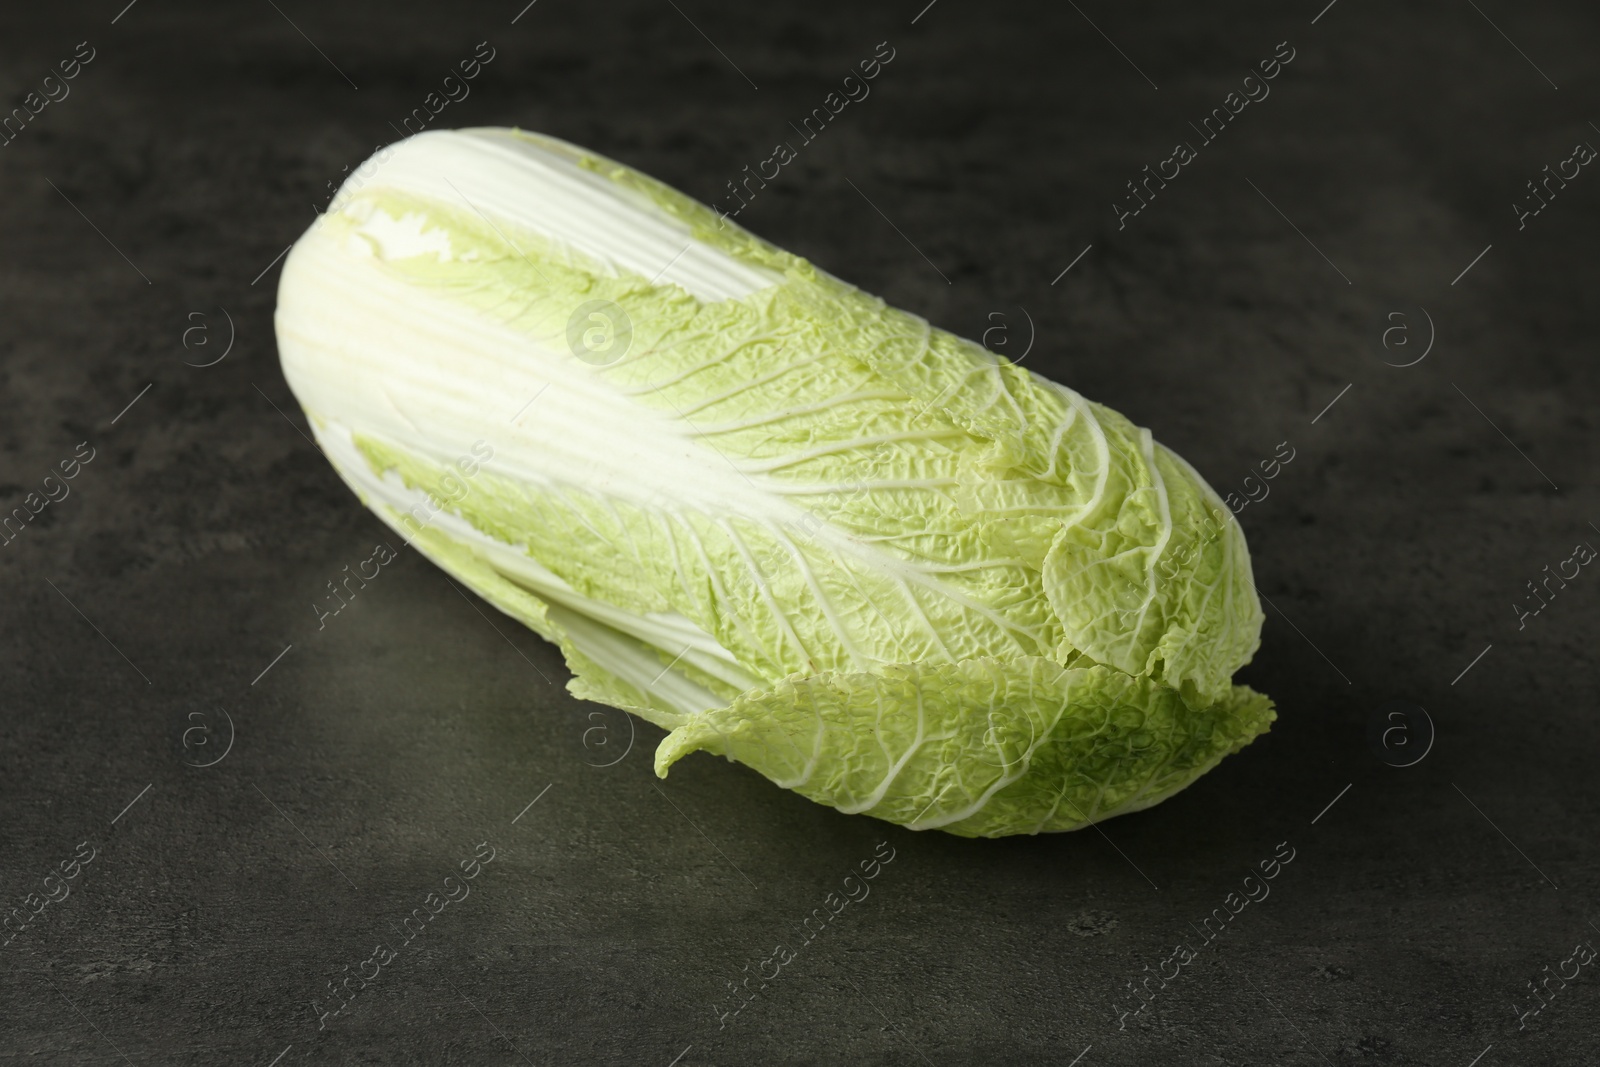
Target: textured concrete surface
[378,754]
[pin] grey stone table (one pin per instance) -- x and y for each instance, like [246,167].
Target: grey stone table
[1280,285]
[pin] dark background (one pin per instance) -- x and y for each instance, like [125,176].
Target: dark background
[379,751]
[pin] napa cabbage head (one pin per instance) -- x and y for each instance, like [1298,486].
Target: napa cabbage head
[782,520]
